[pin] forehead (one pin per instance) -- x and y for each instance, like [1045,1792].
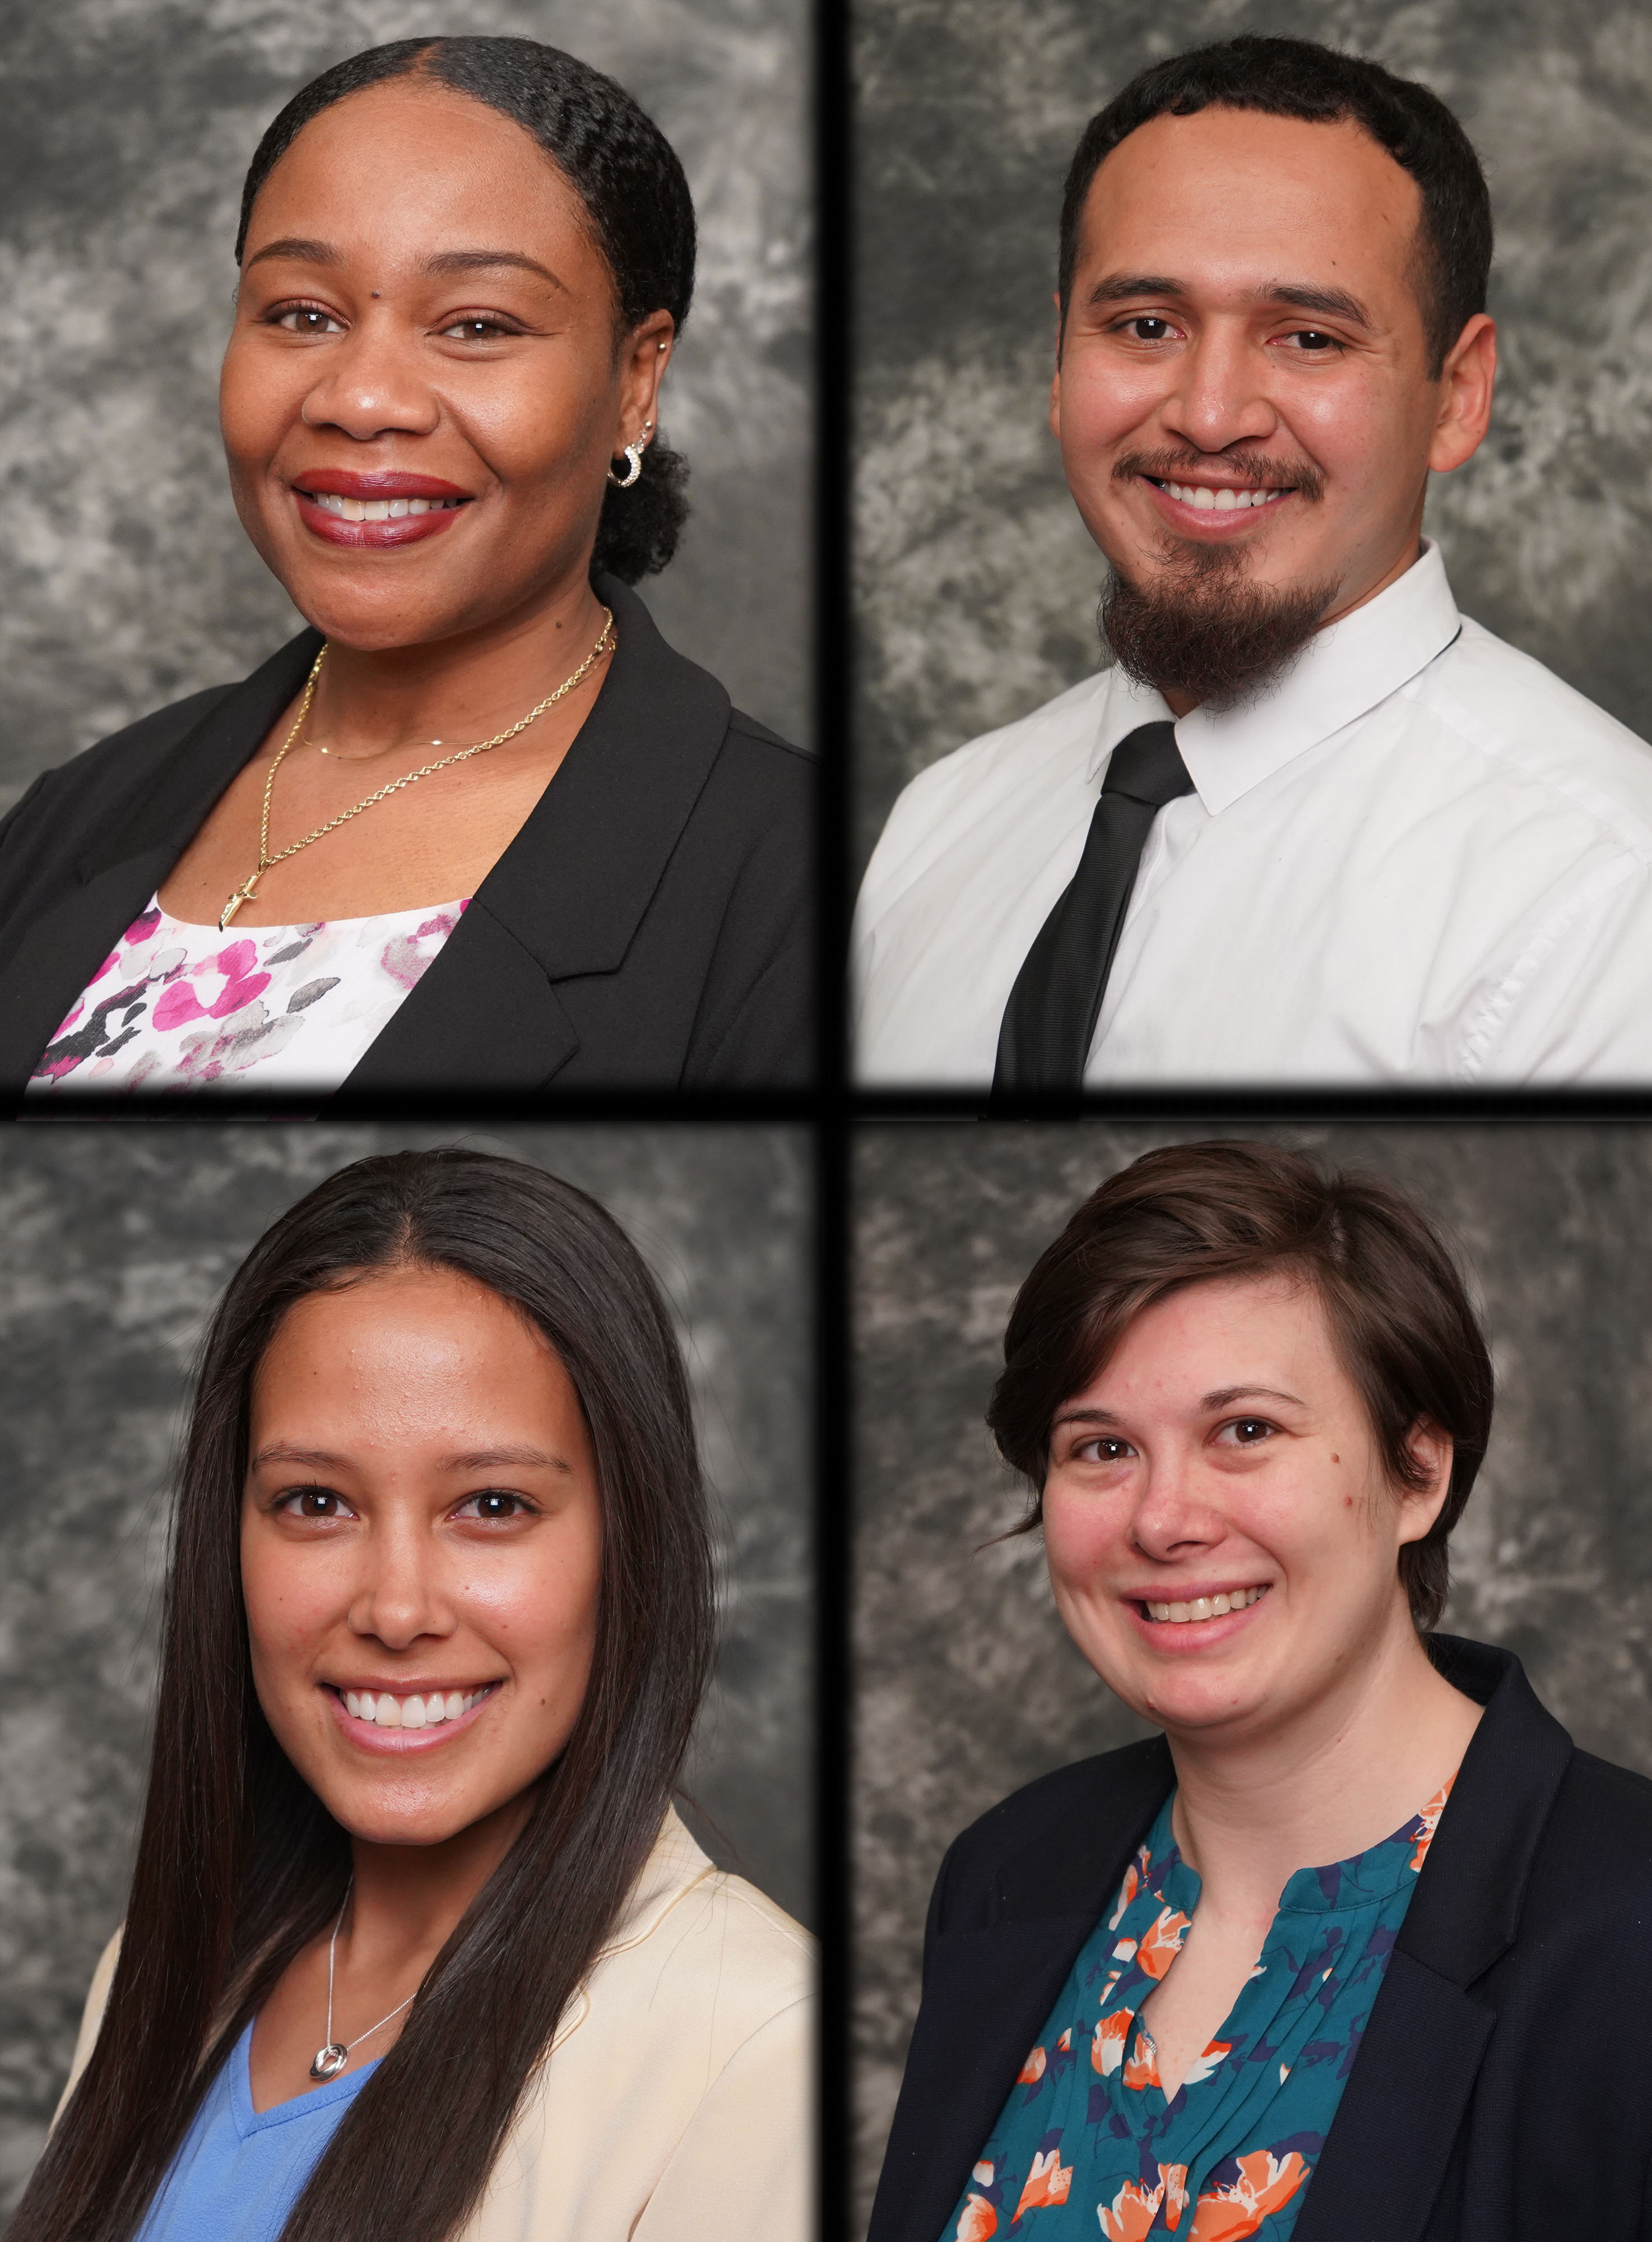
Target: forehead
[1226,1332]
[411,1330]
[1230,198]
[416,164]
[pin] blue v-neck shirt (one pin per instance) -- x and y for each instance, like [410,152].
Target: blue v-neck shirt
[238,2170]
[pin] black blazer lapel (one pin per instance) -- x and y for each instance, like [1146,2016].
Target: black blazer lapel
[122,864]
[1409,2090]
[485,1013]
[566,896]
[988,1987]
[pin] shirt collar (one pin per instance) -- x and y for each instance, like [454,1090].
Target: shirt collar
[1341,675]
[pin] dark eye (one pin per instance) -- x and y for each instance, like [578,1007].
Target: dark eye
[1247,1431]
[1149,329]
[1310,338]
[314,1503]
[1103,1448]
[474,331]
[307,319]
[493,1506]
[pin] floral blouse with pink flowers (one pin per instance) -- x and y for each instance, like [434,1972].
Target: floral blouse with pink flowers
[1089,2145]
[177,1007]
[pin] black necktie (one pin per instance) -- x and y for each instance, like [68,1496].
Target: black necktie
[1050,1019]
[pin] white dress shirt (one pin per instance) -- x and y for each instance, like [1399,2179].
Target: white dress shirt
[1418,857]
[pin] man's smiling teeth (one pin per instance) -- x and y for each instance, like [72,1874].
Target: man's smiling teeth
[387,1712]
[1205,500]
[1206,1607]
[378,509]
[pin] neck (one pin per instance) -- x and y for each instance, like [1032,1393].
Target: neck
[406,1901]
[1324,1785]
[458,688]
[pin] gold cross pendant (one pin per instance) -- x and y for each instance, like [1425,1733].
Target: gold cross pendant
[244,895]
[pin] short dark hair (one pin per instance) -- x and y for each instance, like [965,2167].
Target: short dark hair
[1397,1305]
[1298,78]
[624,170]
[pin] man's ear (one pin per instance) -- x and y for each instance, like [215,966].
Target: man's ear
[1467,382]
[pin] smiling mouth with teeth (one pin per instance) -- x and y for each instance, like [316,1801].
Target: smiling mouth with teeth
[1205,1607]
[1204,500]
[383,1711]
[378,509]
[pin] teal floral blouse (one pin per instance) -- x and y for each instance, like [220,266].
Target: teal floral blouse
[1088,2134]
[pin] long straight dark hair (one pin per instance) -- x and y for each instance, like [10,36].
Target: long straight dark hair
[239,1864]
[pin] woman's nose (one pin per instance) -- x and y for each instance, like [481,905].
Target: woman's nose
[372,385]
[399,1594]
[1171,1515]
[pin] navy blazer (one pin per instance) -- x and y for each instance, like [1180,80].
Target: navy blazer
[649,928]
[1502,2091]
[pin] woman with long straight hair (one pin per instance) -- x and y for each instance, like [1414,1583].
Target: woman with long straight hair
[478,824]
[416,1947]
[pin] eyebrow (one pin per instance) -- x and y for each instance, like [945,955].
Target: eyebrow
[1223,1398]
[473,1459]
[301,250]
[1331,303]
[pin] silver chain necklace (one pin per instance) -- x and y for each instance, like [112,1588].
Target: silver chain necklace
[331,2059]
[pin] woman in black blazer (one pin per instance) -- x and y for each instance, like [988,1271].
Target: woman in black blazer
[564,861]
[1251,1400]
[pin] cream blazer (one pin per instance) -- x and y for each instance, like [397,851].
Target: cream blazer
[676,2103]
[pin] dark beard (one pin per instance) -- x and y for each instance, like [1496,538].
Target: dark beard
[1199,629]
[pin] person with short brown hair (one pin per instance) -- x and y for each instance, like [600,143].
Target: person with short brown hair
[1300,1966]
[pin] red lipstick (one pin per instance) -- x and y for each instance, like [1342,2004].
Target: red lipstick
[424,506]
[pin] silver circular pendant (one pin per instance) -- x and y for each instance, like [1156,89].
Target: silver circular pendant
[329,2061]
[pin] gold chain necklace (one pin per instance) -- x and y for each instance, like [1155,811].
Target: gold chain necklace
[247,892]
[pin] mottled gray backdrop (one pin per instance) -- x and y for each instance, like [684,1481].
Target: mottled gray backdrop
[125,127]
[116,1240]
[966,1683]
[978,585]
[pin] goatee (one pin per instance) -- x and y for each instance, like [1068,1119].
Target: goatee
[1199,628]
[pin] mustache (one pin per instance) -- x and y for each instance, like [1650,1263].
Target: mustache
[1255,470]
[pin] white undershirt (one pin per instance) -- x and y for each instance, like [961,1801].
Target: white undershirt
[180,1007]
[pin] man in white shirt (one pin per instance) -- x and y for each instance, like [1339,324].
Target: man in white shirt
[1348,837]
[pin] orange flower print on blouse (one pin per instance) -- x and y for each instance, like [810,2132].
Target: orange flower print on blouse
[1175,2178]
[1141,2071]
[1047,2181]
[1107,2041]
[1131,2213]
[1429,1819]
[1162,1943]
[1098,2148]
[1230,2212]
[977,2217]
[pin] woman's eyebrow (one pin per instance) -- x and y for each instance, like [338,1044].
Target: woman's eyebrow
[475,260]
[296,247]
[289,1451]
[475,1460]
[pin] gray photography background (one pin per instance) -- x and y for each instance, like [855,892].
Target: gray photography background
[976,583]
[967,1684]
[126,580]
[115,1241]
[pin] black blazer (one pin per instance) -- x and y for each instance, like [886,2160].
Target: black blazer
[1502,2091]
[650,927]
